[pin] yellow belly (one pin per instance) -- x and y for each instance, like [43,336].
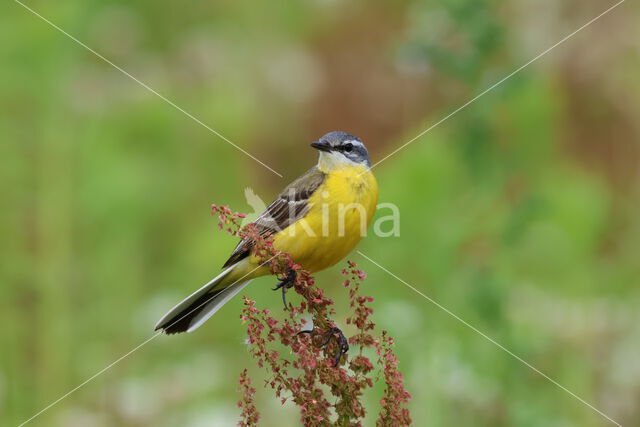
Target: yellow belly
[340,212]
[339,216]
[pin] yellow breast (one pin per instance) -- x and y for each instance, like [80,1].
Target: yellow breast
[340,212]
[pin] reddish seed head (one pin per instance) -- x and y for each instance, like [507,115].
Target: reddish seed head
[313,364]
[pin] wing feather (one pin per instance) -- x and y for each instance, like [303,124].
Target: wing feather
[291,205]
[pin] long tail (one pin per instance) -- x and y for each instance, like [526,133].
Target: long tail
[193,311]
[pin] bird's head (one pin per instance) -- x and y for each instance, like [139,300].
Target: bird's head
[340,149]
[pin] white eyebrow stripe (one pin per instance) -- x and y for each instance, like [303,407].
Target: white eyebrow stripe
[354,142]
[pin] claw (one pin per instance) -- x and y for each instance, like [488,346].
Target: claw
[343,343]
[285,284]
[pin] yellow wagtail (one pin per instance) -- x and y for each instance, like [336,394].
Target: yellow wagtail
[318,219]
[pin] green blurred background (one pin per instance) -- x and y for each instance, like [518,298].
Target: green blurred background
[520,214]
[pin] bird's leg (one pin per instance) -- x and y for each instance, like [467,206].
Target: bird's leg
[341,341]
[285,284]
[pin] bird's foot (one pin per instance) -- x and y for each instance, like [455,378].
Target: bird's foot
[337,335]
[285,284]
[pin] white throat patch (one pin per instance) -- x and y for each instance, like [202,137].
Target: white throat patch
[329,161]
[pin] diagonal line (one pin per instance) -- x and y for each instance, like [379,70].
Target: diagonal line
[91,378]
[124,356]
[491,340]
[144,85]
[499,82]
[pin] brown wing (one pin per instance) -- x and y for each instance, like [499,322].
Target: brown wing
[291,205]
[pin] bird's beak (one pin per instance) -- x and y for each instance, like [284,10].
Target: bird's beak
[322,146]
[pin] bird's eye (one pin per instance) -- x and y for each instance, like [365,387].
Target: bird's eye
[348,147]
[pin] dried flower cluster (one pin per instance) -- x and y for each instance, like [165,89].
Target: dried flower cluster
[250,415]
[324,383]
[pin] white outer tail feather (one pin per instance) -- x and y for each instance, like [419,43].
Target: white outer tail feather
[216,304]
[210,307]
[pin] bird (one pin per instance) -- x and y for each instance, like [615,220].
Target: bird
[317,219]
